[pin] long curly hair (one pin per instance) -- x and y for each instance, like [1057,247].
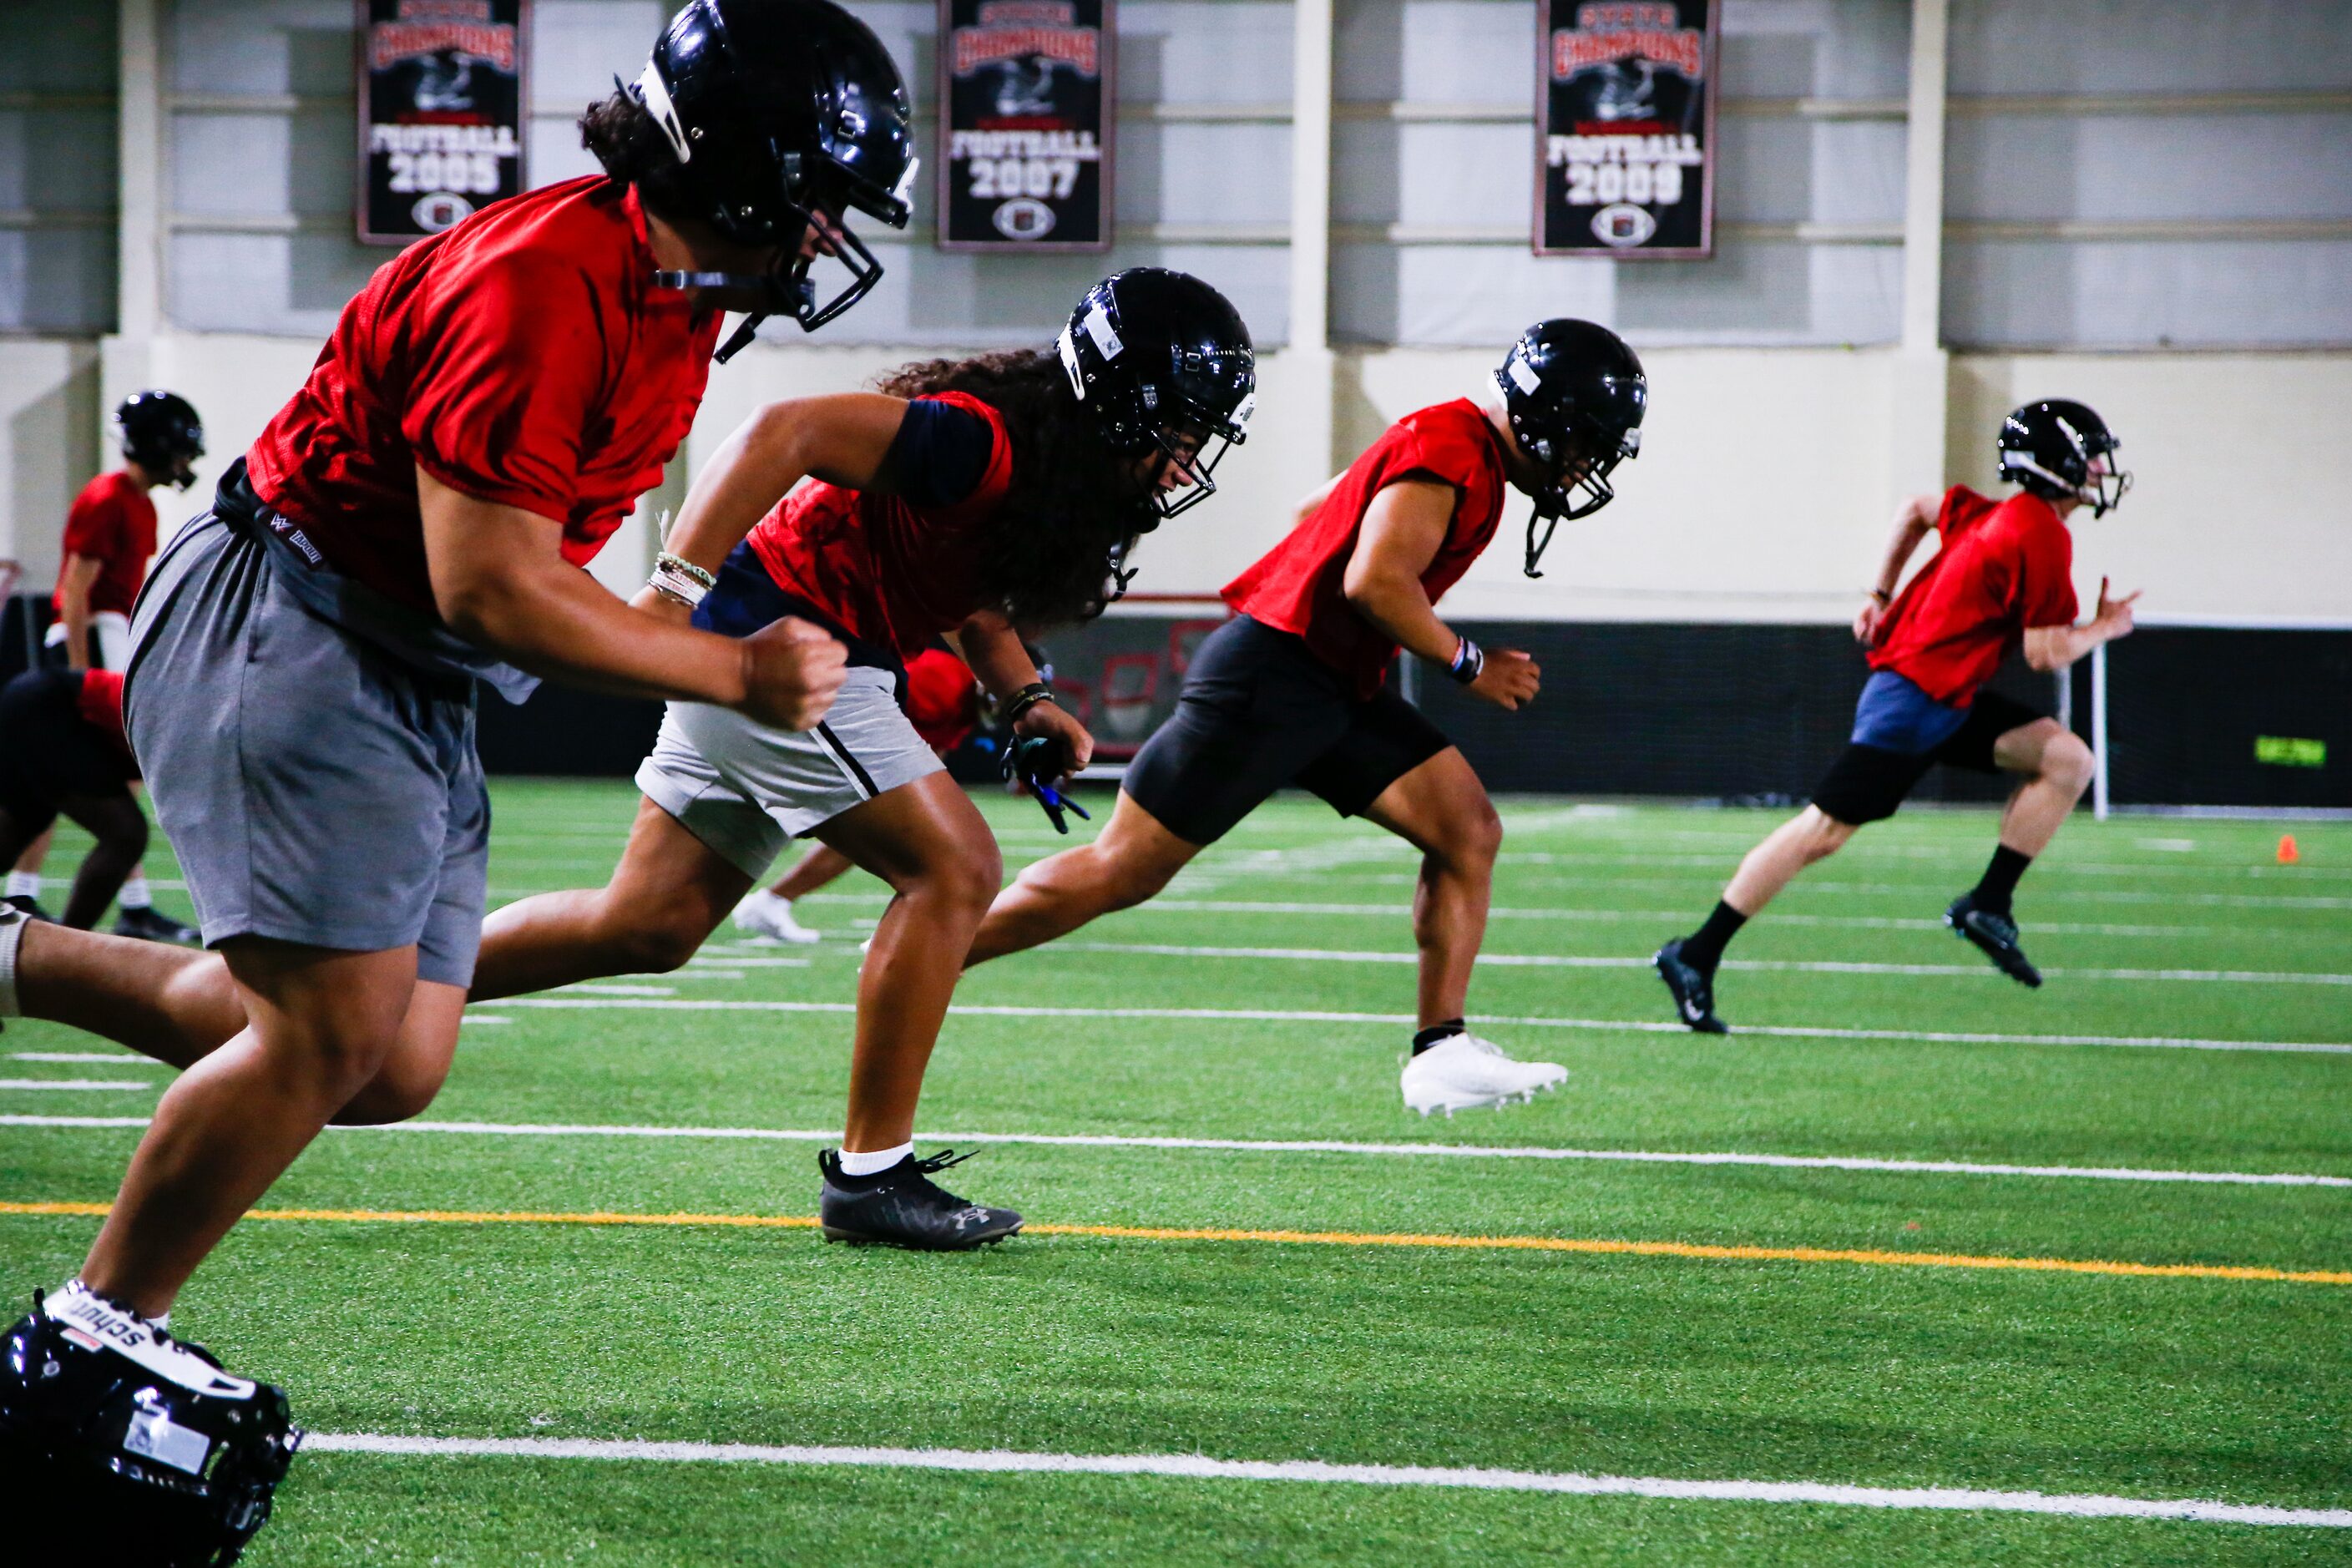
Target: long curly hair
[1057,549]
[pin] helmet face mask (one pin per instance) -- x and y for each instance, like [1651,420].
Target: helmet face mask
[1164,365]
[1575,395]
[2060,449]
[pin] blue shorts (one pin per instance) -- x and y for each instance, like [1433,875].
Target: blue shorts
[1899,732]
[1896,715]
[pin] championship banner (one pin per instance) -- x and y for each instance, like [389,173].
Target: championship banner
[1026,127]
[441,113]
[1626,98]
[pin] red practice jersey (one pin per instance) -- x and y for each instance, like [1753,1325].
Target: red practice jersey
[2003,568]
[887,571]
[524,357]
[113,523]
[1297,586]
[942,700]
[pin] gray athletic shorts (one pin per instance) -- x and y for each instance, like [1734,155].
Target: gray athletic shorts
[745,789]
[317,789]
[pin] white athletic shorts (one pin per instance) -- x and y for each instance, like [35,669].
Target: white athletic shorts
[109,640]
[745,789]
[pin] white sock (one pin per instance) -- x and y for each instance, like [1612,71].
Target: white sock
[12,934]
[134,895]
[24,884]
[873,1161]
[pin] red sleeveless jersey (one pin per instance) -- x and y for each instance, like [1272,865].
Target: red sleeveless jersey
[1297,586]
[887,571]
[524,357]
[2002,568]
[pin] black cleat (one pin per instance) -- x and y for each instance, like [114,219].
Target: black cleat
[902,1207]
[151,924]
[1995,936]
[1694,990]
[29,907]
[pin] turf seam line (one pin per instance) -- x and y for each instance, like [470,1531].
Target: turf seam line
[1199,1467]
[1303,1146]
[1319,1015]
[1601,1246]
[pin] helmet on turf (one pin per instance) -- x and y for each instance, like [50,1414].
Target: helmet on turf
[784,115]
[160,432]
[1163,362]
[2052,446]
[142,1447]
[1575,395]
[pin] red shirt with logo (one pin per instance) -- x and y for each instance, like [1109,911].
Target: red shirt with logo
[1299,585]
[887,571]
[2003,568]
[112,522]
[524,357]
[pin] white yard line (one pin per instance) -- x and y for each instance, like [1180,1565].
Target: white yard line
[1671,918]
[1309,1146]
[1284,1016]
[118,1056]
[1198,1467]
[1809,966]
[54,1085]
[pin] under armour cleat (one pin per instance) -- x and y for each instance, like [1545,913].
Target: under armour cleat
[151,924]
[1995,936]
[132,1447]
[1692,988]
[902,1207]
[1462,1073]
[765,914]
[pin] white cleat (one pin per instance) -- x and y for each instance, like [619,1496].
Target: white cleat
[1465,1073]
[764,914]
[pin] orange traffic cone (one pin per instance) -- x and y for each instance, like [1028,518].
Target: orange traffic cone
[2288,853]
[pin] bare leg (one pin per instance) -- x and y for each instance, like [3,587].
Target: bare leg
[169,1003]
[1812,835]
[821,866]
[1131,859]
[324,1022]
[931,845]
[1442,810]
[121,829]
[2057,766]
[666,896]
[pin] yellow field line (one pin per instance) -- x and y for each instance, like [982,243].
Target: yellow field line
[1869,1255]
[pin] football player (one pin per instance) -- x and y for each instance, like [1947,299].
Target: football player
[305,662]
[1294,689]
[109,538]
[62,753]
[2003,578]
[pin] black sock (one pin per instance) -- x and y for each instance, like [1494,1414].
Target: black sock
[2000,881]
[1703,949]
[1436,1031]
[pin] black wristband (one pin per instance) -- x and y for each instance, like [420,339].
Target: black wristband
[1469,659]
[1025,699]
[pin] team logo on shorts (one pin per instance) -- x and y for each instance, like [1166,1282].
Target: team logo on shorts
[1623,226]
[440,210]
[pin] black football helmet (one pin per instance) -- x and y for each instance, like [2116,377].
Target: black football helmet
[2049,447]
[160,432]
[1163,362]
[121,1445]
[1575,395]
[784,115]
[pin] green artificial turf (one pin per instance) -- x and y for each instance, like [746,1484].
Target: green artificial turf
[1659,1366]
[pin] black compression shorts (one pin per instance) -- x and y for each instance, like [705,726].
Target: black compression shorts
[48,750]
[1259,711]
[1867,784]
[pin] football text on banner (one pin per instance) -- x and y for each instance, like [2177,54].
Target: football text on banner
[1626,103]
[1025,138]
[441,113]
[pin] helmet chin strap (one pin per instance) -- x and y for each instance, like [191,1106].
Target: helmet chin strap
[796,296]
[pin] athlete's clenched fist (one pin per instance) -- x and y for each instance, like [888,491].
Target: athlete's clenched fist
[1509,679]
[792,670]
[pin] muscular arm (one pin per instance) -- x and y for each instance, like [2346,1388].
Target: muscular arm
[2053,648]
[1402,530]
[73,605]
[992,646]
[841,438]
